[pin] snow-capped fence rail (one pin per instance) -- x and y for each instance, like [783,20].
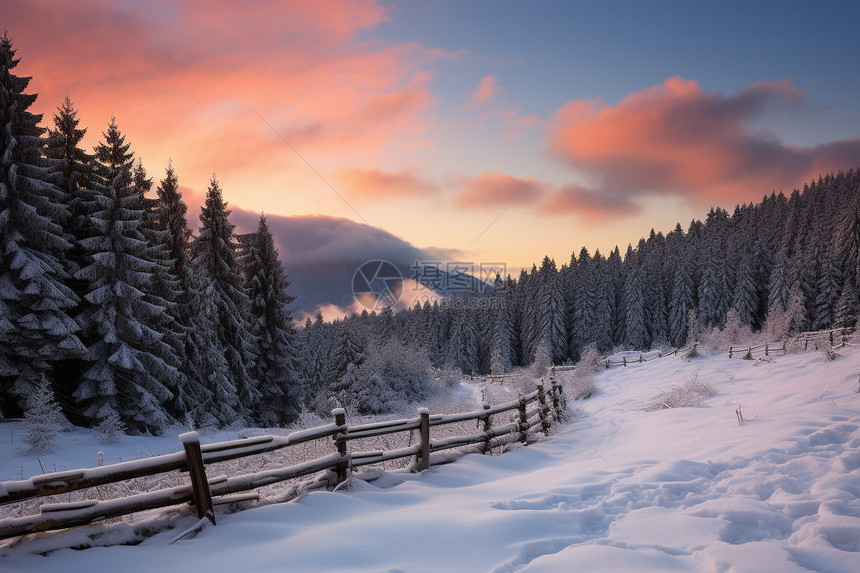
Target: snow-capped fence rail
[832,338]
[534,411]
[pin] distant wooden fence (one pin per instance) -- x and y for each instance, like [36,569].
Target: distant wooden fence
[608,362]
[832,338]
[605,363]
[537,409]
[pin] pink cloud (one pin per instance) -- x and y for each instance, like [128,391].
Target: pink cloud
[494,189]
[375,184]
[487,91]
[677,139]
[588,205]
[186,78]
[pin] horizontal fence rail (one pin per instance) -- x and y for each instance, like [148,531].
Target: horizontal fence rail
[533,412]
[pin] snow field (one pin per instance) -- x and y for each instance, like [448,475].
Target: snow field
[684,489]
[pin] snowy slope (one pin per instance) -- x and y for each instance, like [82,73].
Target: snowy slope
[617,489]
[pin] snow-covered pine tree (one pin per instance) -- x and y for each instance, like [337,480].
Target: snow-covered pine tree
[110,429]
[73,171]
[142,183]
[636,319]
[714,288]
[784,274]
[463,349]
[345,358]
[276,370]
[222,285]
[161,289]
[616,273]
[551,311]
[129,368]
[847,243]
[680,305]
[210,397]
[35,329]
[500,345]
[581,302]
[828,291]
[437,336]
[605,304]
[43,419]
[529,302]
[846,307]
[796,311]
[387,329]
[745,298]
[190,331]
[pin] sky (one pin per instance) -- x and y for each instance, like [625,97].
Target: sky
[480,131]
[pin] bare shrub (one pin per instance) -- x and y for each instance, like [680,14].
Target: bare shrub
[581,380]
[690,395]
[734,333]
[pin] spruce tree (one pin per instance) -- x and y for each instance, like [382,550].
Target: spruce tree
[463,342]
[187,330]
[73,170]
[680,305]
[605,304]
[848,243]
[828,291]
[272,324]
[43,419]
[846,307]
[35,329]
[129,368]
[500,345]
[636,319]
[221,286]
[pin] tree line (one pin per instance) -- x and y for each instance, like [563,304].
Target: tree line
[783,265]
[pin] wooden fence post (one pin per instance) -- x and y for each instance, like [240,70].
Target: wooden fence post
[544,409]
[197,473]
[625,361]
[424,431]
[524,420]
[488,424]
[340,420]
[766,350]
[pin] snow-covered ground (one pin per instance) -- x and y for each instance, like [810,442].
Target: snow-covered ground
[617,489]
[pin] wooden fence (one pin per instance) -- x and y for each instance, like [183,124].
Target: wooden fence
[536,410]
[608,362]
[832,338]
[605,363]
